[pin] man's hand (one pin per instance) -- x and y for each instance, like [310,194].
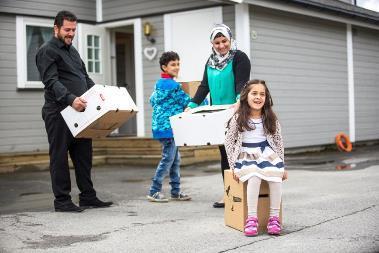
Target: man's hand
[79,104]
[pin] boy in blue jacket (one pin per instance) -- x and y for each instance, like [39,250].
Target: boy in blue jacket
[168,99]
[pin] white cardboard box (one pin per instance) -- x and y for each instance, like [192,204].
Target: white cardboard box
[108,107]
[204,125]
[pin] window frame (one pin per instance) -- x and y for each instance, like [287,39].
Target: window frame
[93,60]
[21,23]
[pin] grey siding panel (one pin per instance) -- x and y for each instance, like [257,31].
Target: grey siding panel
[83,9]
[119,9]
[21,126]
[151,70]
[228,17]
[304,62]
[366,81]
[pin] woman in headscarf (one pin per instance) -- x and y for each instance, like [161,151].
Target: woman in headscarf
[226,72]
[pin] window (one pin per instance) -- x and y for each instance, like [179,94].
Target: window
[35,37]
[93,54]
[31,34]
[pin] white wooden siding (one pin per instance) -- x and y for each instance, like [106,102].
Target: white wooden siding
[304,62]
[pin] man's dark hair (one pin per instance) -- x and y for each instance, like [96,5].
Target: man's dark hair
[64,15]
[167,57]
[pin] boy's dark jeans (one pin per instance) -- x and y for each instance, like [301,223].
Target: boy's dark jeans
[170,162]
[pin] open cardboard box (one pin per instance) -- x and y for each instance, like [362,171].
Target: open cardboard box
[190,87]
[235,198]
[204,125]
[108,107]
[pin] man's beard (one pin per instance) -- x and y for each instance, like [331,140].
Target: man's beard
[61,38]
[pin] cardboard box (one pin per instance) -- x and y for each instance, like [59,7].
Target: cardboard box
[204,125]
[235,197]
[108,107]
[190,87]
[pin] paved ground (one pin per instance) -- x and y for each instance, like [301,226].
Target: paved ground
[330,204]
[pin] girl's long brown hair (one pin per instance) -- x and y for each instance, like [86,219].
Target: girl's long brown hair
[243,113]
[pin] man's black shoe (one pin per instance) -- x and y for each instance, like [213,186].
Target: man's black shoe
[94,203]
[67,207]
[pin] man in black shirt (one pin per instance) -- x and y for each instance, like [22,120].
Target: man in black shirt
[65,78]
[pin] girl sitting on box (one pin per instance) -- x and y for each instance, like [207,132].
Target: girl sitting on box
[254,147]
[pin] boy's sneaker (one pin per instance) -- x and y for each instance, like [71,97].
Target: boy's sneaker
[180,197]
[251,226]
[273,226]
[157,197]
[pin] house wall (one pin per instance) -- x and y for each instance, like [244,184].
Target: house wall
[228,17]
[83,9]
[21,125]
[302,59]
[124,9]
[366,82]
[304,62]
[151,68]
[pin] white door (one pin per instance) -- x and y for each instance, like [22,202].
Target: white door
[92,46]
[187,33]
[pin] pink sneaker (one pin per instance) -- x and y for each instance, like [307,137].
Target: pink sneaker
[273,226]
[251,226]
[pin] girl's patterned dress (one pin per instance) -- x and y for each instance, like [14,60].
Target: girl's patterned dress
[256,157]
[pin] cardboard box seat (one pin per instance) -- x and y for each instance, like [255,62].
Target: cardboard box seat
[235,197]
[108,107]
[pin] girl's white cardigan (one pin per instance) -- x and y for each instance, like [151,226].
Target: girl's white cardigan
[233,141]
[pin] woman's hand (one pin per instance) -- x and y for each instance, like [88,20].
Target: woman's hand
[187,109]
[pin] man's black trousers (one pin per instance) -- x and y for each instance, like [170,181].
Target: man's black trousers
[61,141]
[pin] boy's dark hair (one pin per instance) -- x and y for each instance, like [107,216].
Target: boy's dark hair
[167,57]
[64,15]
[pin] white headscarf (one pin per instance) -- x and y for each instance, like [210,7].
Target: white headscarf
[220,61]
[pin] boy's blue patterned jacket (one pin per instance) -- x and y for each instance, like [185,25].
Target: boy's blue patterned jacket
[168,99]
